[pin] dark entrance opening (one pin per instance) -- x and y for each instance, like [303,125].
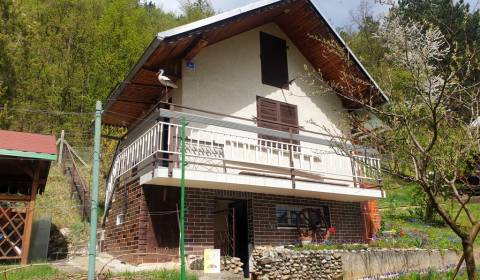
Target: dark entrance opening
[163,233]
[231,230]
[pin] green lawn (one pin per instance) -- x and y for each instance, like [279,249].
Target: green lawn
[42,271]
[432,275]
[47,272]
[155,275]
[401,217]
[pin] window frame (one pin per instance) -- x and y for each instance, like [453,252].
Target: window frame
[325,209]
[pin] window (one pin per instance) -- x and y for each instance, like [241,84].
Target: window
[277,115]
[120,219]
[298,216]
[273,56]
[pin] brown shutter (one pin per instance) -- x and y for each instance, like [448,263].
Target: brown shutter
[274,65]
[277,115]
[289,116]
[268,115]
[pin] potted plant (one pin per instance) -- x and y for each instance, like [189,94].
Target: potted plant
[305,236]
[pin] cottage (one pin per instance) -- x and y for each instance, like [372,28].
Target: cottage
[25,160]
[259,168]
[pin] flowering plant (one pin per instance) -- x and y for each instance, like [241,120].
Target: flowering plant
[330,231]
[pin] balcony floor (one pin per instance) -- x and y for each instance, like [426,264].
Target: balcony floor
[259,184]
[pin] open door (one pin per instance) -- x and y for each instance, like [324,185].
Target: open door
[231,230]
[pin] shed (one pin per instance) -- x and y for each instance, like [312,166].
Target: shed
[25,160]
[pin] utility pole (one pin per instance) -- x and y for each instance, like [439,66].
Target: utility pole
[183,273]
[92,247]
[60,152]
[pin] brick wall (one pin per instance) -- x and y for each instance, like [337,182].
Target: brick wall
[345,217]
[131,237]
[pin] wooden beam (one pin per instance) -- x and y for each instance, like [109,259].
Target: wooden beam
[6,197]
[27,231]
[197,47]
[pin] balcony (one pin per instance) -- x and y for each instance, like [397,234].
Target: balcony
[226,154]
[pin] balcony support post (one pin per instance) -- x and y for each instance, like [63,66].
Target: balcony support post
[171,147]
[354,170]
[292,163]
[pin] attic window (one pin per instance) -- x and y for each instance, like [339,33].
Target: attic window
[273,56]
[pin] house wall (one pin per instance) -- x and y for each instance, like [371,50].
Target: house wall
[227,79]
[129,238]
[346,217]
[132,236]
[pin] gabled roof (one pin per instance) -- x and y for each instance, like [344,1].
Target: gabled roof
[131,99]
[27,145]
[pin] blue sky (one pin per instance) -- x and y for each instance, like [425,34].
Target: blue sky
[338,12]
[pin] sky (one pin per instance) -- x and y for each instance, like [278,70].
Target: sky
[338,12]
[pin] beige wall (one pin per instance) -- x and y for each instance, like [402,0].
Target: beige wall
[227,79]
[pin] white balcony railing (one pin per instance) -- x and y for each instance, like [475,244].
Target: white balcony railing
[229,151]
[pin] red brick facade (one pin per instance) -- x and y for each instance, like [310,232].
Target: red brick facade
[133,235]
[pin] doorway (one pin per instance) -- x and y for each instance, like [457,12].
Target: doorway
[231,230]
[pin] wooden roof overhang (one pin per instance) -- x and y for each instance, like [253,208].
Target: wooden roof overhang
[23,156]
[299,19]
[17,174]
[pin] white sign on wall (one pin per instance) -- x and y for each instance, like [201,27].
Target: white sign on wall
[211,261]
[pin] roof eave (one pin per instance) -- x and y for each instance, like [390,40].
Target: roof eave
[191,27]
[29,155]
[133,71]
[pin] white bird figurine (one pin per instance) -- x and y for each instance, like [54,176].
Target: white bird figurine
[164,80]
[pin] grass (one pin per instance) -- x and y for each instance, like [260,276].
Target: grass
[56,202]
[402,219]
[155,275]
[433,275]
[46,272]
[41,271]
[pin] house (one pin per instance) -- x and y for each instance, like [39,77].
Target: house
[259,166]
[25,160]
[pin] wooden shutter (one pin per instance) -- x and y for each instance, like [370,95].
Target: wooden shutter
[273,56]
[276,115]
[289,116]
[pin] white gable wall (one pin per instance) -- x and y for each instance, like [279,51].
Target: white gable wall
[227,79]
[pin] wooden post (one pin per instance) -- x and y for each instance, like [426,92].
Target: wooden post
[292,159]
[60,150]
[27,230]
[171,149]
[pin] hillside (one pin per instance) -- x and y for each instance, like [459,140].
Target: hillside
[402,215]
[57,203]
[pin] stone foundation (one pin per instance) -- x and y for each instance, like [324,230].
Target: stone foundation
[288,264]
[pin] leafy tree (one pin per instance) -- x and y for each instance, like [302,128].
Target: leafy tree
[195,9]
[419,125]
[14,54]
[461,28]
[62,55]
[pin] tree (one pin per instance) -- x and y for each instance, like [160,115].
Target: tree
[195,9]
[14,55]
[461,27]
[422,140]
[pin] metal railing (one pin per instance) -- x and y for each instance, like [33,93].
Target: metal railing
[78,185]
[234,151]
